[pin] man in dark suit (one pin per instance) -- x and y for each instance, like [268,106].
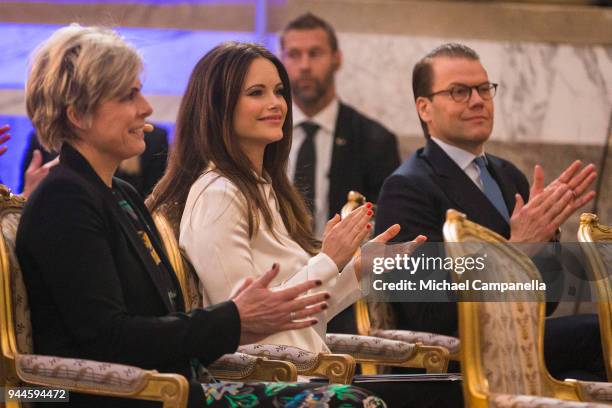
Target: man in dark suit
[454,100]
[335,148]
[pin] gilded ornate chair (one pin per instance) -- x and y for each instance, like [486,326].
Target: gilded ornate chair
[596,242]
[244,367]
[337,368]
[20,367]
[377,319]
[339,365]
[502,342]
[273,361]
[230,367]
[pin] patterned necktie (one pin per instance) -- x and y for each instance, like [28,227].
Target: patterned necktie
[491,188]
[306,164]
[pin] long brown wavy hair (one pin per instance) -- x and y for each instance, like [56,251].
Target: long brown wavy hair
[205,133]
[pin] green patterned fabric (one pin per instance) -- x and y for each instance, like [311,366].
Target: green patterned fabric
[288,395]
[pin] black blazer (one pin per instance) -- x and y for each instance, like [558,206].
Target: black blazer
[364,154]
[152,161]
[92,283]
[417,195]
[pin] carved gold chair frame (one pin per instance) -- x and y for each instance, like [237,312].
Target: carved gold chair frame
[591,234]
[541,389]
[271,366]
[377,319]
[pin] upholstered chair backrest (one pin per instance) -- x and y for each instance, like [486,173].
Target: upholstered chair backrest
[596,243]
[185,272]
[500,340]
[19,327]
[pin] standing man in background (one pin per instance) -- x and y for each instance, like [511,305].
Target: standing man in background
[335,149]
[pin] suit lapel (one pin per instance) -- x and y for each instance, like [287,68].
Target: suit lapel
[73,159]
[139,247]
[462,191]
[158,246]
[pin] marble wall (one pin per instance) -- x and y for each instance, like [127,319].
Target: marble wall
[548,93]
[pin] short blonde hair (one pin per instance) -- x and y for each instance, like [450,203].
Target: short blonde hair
[79,67]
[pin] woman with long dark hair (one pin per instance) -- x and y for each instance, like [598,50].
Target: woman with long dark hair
[227,192]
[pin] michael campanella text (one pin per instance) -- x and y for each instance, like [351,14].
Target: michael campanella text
[476,284]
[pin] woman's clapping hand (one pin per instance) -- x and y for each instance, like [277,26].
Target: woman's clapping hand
[264,312]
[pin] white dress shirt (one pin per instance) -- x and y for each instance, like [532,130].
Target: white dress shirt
[324,145]
[215,237]
[463,159]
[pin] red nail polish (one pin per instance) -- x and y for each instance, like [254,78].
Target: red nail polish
[369,205]
[318,283]
[327,296]
[324,307]
[370,212]
[369,226]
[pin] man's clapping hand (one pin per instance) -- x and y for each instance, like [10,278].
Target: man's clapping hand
[550,206]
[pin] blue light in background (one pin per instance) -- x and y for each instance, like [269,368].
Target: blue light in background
[169,57]
[21,128]
[10,162]
[155,2]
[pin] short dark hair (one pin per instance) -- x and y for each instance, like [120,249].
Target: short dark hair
[422,74]
[309,21]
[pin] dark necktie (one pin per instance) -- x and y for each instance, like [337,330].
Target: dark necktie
[491,188]
[306,164]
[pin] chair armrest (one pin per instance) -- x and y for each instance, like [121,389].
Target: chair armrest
[338,368]
[244,367]
[452,344]
[377,350]
[593,391]
[532,401]
[94,377]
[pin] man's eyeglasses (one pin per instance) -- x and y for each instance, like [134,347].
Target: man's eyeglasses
[463,93]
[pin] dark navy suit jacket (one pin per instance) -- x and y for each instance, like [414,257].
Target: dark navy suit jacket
[417,196]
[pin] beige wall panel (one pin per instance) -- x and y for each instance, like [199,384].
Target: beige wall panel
[226,17]
[490,21]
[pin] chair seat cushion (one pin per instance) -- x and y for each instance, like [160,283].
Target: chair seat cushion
[371,348]
[71,372]
[596,391]
[530,401]
[240,363]
[428,339]
[304,360]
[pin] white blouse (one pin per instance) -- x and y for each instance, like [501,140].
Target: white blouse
[214,234]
